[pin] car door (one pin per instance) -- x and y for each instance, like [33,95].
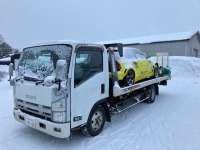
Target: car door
[131,61]
[142,64]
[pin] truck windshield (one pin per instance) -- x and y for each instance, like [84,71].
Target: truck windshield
[36,63]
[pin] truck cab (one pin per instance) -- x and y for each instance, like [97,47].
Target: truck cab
[56,106]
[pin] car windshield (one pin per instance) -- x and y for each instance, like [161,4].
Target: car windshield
[36,63]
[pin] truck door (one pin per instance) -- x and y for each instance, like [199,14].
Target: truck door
[90,82]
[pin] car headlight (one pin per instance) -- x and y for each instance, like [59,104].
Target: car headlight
[59,105]
[58,116]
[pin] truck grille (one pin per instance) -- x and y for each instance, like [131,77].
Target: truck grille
[40,111]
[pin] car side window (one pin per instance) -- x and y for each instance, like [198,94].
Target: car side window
[88,62]
[129,54]
[139,54]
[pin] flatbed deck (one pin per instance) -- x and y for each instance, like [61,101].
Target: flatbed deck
[118,91]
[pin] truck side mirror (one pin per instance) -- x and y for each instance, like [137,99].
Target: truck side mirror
[10,71]
[61,70]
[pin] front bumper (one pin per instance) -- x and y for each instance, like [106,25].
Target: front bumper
[55,129]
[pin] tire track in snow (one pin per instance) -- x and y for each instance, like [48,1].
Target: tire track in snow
[120,127]
[14,137]
[7,117]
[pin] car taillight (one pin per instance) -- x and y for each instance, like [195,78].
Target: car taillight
[118,66]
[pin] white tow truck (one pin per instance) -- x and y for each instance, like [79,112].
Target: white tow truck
[56,92]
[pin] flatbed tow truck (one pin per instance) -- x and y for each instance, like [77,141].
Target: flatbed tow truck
[75,96]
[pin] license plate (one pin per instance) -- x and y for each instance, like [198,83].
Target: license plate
[30,122]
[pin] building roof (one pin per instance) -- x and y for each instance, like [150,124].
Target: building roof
[155,38]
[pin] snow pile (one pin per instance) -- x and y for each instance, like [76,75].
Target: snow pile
[185,66]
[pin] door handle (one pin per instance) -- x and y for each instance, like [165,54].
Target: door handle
[102,88]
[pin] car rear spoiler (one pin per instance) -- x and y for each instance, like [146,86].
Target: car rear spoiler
[118,45]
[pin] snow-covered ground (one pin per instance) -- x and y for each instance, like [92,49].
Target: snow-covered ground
[171,123]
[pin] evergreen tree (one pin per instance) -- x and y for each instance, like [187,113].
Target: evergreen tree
[5,48]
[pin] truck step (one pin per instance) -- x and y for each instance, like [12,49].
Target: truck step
[120,107]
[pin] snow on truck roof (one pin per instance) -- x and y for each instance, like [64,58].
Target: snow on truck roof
[155,38]
[71,42]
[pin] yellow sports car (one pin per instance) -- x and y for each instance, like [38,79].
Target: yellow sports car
[134,66]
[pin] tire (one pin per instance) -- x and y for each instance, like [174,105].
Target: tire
[96,121]
[152,94]
[156,71]
[129,78]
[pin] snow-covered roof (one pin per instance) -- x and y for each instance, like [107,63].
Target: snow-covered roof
[154,38]
[71,42]
[5,59]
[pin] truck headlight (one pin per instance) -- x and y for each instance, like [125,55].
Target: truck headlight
[59,105]
[58,116]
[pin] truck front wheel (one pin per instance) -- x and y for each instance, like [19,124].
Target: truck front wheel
[96,121]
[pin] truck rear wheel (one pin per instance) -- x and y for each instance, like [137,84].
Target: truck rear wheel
[96,121]
[152,94]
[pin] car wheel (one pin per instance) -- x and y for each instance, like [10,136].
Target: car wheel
[129,78]
[156,71]
[96,121]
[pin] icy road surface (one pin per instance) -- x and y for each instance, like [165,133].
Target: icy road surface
[171,123]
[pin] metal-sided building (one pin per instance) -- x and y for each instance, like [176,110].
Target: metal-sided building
[176,44]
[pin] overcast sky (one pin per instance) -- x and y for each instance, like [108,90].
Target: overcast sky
[24,22]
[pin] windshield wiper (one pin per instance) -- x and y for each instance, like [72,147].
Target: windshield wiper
[38,82]
[32,79]
[19,78]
